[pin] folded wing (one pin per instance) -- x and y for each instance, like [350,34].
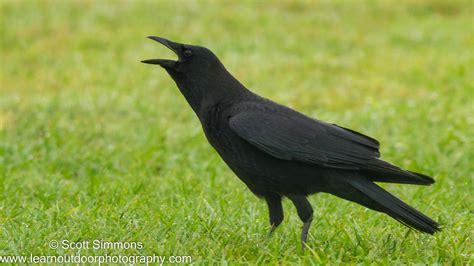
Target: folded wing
[299,138]
[304,139]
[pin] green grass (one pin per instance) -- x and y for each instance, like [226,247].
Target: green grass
[95,145]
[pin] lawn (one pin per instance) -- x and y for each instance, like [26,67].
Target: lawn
[95,145]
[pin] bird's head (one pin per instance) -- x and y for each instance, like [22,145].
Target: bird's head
[192,59]
[199,74]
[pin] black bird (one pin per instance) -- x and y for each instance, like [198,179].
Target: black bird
[278,152]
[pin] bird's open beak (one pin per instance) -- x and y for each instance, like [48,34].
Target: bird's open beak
[166,63]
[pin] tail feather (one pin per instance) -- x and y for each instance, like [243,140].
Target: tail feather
[385,172]
[394,207]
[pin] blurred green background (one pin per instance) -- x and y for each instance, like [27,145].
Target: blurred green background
[95,145]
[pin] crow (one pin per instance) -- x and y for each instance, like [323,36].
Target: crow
[278,152]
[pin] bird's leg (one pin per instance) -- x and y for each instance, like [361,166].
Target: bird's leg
[305,212]
[275,209]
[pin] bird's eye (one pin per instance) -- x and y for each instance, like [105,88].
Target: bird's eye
[187,53]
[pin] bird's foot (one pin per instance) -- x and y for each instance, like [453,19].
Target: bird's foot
[304,232]
[270,233]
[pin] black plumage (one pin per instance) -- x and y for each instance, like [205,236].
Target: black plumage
[278,152]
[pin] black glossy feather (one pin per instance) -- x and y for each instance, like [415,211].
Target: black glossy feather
[394,207]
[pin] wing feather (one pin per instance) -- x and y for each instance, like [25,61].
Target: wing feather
[299,138]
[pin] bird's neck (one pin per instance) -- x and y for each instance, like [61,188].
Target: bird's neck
[204,92]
